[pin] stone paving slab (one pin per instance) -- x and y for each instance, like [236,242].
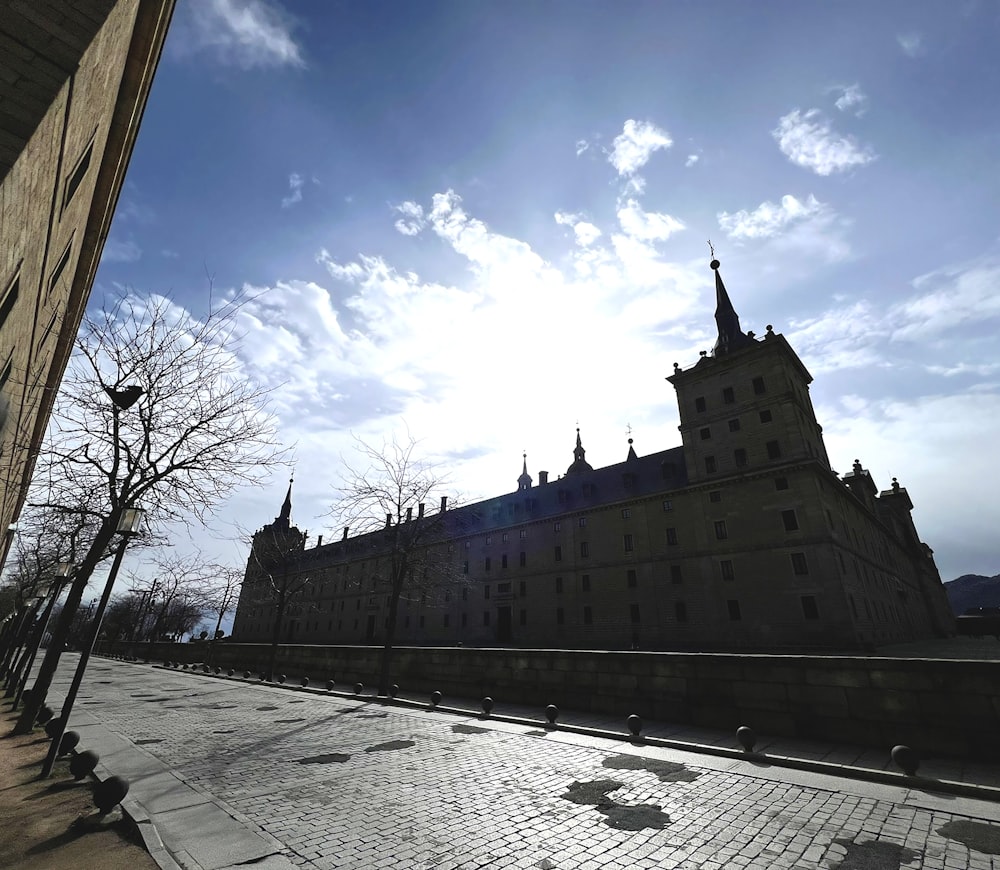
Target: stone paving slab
[336,782]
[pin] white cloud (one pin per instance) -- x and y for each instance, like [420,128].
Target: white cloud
[169,254]
[963,368]
[847,337]
[295,182]
[948,298]
[634,146]
[912,44]
[852,99]
[581,146]
[412,220]
[808,140]
[647,226]
[243,33]
[118,251]
[768,219]
[584,232]
[692,159]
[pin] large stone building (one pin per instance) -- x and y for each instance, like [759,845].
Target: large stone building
[74,78]
[743,537]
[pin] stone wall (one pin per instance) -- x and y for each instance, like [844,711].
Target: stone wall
[941,707]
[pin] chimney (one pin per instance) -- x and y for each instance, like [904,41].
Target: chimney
[346,530]
[543,478]
[444,503]
[420,509]
[409,514]
[319,541]
[388,520]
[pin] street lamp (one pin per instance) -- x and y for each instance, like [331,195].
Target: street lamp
[128,525]
[63,572]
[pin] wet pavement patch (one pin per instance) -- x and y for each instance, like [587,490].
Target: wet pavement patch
[371,715]
[158,700]
[667,771]
[536,733]
[286,721]
[225,731]
[874,855]
[150,740]
[391,745]
[620,816]
[297,701]
[469,729]
[976,835]
[329,758]
[266,709]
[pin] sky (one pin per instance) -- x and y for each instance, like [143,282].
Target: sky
[486,223]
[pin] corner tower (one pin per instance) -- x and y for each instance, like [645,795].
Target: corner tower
[746,406]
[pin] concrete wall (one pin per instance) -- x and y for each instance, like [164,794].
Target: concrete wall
[941,707]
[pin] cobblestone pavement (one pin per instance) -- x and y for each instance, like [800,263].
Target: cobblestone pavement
[344,783]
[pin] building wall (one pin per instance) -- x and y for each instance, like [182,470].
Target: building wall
[93,62]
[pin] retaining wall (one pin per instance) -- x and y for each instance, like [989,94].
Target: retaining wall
[940,707]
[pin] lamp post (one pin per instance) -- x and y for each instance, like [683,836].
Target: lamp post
[128,525]
[63,572]
[21,643]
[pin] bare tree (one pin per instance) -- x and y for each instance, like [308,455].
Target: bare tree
[221,597]
[155,412]
[389,497]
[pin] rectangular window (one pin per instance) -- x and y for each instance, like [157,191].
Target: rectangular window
[809,608]
[728,396]
[726,567]
[672,537]
[680,611]
[584,549]
[522,558]
[634,613]
[781,483]
[705,433]
[557,527]
[503,588]
[699,404]
[560,616]
[582,522]
[489,540]
[486,617]
[799,564]
[487,564]
[446,620]
[790,521]
[734,425]
[676,574]
[559,584]
[715,496]
[710,464]
[505,537]
[740,455]
[465,567]
[773,450]
[465,593]
[588,616]
[629,543]
[585,582]
[523,617]
[721,532]
[486,591]
[668,505]
[734,610]
[522,589]
[465,619]
[76,178]
[558,553]
[626,513]
[631,579]
[503,561]
[765,417]
[10,299]
[758,386]
[523,534]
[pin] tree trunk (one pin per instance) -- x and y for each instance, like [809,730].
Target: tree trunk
[272,657]
[51,661]
[385,658]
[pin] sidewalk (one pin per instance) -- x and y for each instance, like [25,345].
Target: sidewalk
[185,826]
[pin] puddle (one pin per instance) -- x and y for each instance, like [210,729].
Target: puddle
[287,721]
[150,740]
[329,758]
[469,729]
[297,701]
[667,771]
[874,855]
[266,709]
[536,733]
[622,817]
[158,700]
[391,745]
[225,731]
[976,835]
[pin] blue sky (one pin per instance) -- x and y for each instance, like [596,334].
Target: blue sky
[488,221]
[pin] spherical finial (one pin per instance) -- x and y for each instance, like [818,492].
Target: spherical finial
[714,265]
[629,440]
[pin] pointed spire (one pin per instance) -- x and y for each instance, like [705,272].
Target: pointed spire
[284,518]
[524,481]
[731,337]
[579,456]
[631,452]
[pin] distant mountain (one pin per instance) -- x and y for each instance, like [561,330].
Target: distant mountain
[973,590]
